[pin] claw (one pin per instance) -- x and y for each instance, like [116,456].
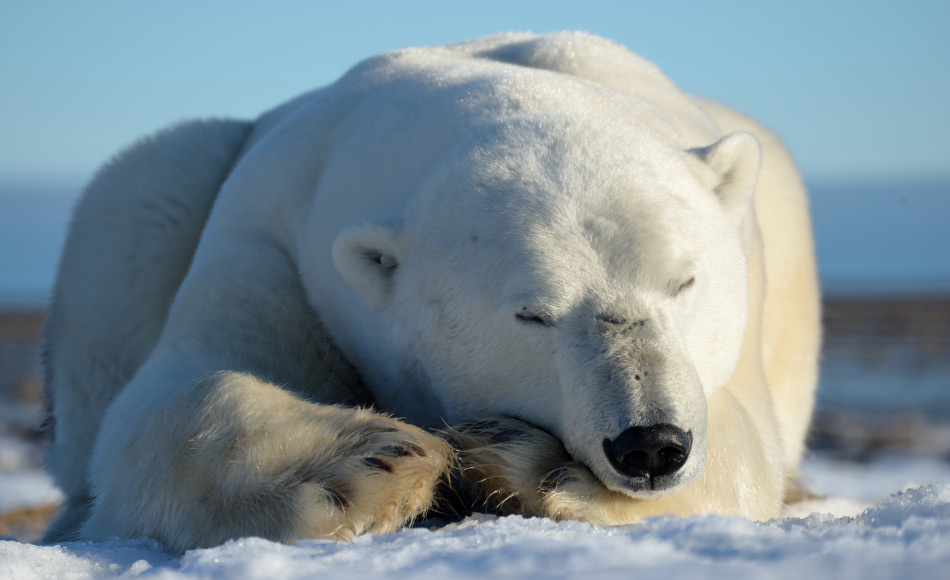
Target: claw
[478,427]
[339,500]
[557,477]
[507,436]
[377,463]
[394,451]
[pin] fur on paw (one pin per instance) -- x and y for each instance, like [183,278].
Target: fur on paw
[376,475]
[512,467]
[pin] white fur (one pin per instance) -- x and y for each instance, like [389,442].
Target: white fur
[543,228]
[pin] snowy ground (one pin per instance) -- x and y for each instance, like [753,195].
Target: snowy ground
[907,535]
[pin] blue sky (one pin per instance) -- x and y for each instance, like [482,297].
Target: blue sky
[859,90]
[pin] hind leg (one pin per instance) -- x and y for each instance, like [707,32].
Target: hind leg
[132,237]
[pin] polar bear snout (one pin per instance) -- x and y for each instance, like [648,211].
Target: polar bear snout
[650,453]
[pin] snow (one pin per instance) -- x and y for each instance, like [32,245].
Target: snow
[907,534]
[874,480]
[26,489]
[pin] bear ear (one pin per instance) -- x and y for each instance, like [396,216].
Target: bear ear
[731,167]
[367,255]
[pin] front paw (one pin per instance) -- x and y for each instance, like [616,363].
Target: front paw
[376,476]
[512,467]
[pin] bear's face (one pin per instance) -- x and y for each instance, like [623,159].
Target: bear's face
[573,273]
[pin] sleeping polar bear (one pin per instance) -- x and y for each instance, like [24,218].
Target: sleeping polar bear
[537,240]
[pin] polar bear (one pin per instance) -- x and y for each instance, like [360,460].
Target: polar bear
[523,271]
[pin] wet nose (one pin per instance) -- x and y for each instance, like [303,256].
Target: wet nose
[651,451]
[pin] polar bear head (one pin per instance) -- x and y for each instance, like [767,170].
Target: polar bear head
[571,271]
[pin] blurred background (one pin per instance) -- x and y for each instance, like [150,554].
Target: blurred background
[859,90]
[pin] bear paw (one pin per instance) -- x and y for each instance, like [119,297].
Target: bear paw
[512,467]
[376,476]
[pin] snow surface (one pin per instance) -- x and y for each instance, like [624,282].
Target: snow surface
[907,535]
[22,483]
[27,489]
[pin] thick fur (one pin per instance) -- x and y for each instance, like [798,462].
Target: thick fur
[539,240]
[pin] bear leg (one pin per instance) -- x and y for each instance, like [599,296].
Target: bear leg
[231,456]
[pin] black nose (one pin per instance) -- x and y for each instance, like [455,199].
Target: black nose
[649,451]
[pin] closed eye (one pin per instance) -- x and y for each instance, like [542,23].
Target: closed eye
[528,317]
[685,286]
